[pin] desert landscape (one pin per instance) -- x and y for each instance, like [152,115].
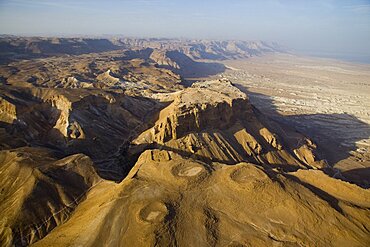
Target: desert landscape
[160,142]
[325,99]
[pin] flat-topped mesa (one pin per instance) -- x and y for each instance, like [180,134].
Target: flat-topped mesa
[214,121]
[206,105]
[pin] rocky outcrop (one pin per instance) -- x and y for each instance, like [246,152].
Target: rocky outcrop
[7,111]
[214,121]
[213,104]
[95,123]
[108,78]
[64,106]
[162,59]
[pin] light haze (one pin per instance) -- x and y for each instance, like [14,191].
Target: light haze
[327,27]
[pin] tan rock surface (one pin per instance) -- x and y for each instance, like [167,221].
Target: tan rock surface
[214,121]
[112,144]
[39,192]
[168,200]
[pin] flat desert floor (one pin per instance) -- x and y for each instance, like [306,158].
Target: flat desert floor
[328,100]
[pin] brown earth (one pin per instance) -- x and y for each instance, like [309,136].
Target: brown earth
[109,145]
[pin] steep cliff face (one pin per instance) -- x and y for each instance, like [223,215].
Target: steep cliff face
[214,121]
[7,111]
[64,106]
[205,105]
[93,122]
[160,57]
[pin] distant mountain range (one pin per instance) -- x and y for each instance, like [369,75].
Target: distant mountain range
[12,47]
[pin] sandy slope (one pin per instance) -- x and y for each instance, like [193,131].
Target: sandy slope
[168,200]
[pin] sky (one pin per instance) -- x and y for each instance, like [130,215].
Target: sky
[321,26]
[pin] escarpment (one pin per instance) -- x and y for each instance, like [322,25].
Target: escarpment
[215,121]
[75,120]
[162,59]
[203,106]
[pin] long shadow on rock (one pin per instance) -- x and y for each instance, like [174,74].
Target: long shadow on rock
[136,54]
[335,134]
[186,67]
[41,48]
[96,126]
[362,175]
[193,69]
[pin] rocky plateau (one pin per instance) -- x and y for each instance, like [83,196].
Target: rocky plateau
[118,142]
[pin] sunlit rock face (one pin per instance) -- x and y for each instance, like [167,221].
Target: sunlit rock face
[123,142]
[215,121]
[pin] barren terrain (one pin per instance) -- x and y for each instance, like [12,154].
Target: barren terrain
[142,142]
[327,100]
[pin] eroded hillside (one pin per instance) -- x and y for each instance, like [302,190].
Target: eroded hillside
[114,148]
[214,121]
[169,200]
